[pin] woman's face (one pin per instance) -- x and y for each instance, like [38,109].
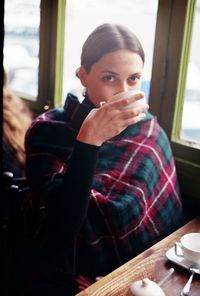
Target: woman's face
[115,72]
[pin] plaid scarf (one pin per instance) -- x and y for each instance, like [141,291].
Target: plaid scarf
[134,200]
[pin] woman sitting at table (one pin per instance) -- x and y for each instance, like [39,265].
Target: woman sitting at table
[102,177]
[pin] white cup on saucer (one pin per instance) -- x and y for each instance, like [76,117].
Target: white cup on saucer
[190,247]
[129,94]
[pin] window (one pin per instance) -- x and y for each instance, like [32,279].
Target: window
[83,16]
[30,46]
[186,127]
[170,89]
[21,46]
[190,127]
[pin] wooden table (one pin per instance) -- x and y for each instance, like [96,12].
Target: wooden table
[153,264]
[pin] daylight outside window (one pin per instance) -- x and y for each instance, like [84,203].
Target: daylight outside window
[21,46]
[83,16]
[191,111]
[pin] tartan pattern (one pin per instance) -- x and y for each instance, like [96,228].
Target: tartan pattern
[134,199]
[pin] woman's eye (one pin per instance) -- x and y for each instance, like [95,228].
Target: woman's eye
[109,78]
[134,77]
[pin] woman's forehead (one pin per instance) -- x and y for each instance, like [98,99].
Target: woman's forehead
[113,61]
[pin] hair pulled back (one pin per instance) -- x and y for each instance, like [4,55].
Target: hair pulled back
[108,38]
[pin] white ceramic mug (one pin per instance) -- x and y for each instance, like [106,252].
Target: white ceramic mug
[190,247]
[128,94]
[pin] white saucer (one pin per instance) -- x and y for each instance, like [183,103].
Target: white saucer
[171,255]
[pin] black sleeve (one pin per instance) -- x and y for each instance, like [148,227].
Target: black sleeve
[68,203]
[58,201]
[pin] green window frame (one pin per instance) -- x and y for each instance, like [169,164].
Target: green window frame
[60,53]
[51,55]
[172,45]
[185,56]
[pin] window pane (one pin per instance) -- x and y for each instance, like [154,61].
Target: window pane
[83,16]
[21,46]
[191,111]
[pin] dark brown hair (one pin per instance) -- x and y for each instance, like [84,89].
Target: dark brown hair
[108,38]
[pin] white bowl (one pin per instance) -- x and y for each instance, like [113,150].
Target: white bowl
[145,287]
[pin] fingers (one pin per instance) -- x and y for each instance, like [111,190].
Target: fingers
[120,107]
[98,278]
[111,111]
[119,117]
[132,112]
[84,282]
[135,119]
[109,120]
[124,102]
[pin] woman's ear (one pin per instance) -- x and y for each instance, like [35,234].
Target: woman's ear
[82,75]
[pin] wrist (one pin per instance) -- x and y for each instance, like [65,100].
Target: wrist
[88,139]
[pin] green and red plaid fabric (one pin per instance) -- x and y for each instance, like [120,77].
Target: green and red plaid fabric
[134,199]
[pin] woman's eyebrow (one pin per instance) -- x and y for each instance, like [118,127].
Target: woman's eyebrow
[117,74]
[137,73]
[110,72]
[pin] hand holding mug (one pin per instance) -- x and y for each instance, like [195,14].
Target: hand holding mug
[113,116]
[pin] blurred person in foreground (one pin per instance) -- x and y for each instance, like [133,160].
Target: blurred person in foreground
[16,120]
[103,184]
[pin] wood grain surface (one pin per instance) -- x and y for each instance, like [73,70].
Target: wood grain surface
[153,264]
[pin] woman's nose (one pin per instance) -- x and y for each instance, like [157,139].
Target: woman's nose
[123,87]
